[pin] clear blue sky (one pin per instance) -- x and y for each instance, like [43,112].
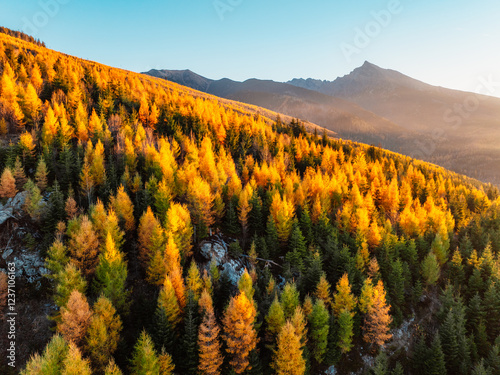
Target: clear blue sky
[448,42]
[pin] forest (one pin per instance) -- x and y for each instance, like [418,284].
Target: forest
[337,257]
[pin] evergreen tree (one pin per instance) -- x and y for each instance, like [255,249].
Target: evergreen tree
[275,319]
[75,318]
[318,330]
[111,275]
[430,269]
[289,299]
[435,363]
[296,247]
[449,342]
[345,331]
[189,339]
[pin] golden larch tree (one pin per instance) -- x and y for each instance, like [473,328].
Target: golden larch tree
[103,333]
[377,320]
[84,246]
[239,331]
[209,344]
[288,359]
[7,184]
[122,204]
[343,299]
[75,318]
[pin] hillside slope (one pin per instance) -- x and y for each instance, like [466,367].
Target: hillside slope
[152,228]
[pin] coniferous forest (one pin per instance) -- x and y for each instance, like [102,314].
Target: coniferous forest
[182,234]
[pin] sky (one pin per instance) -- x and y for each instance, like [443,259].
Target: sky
[449,43]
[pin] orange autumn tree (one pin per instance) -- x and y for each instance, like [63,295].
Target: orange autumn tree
[75,318]
[239,331]
[7,184]
[377,320]
[208,340]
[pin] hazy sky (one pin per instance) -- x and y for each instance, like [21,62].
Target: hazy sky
[451,43]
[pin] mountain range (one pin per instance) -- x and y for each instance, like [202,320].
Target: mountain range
[457,130]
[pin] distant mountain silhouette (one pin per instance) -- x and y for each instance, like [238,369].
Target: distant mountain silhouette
[381,107]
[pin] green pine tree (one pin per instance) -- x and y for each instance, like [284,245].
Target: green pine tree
[318,331]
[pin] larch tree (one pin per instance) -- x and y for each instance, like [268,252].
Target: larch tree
[299,322]
[179,286]
[282,212]
[111,275]
[68,280]
[210,356]
[75,318]
[343,299]
[103,333]
[51,361]
[245,285]
[239,331]
[365,301]
[7,184]
[377,320]
[178,223]
[289,299]
[194,283]
[84,246]
[275,319]
[323,291]
[167,365]
[288,359]
[41,174]
[124,209]
[167,301]
[74,363]
[150,237]
[19,174]
[145,359]
[112,368]
[201,199]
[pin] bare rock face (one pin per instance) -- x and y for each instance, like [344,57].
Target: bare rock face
[214,249]
[13,206]
[217,249]
[29,265]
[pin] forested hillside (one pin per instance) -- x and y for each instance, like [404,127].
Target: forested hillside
[183,235]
